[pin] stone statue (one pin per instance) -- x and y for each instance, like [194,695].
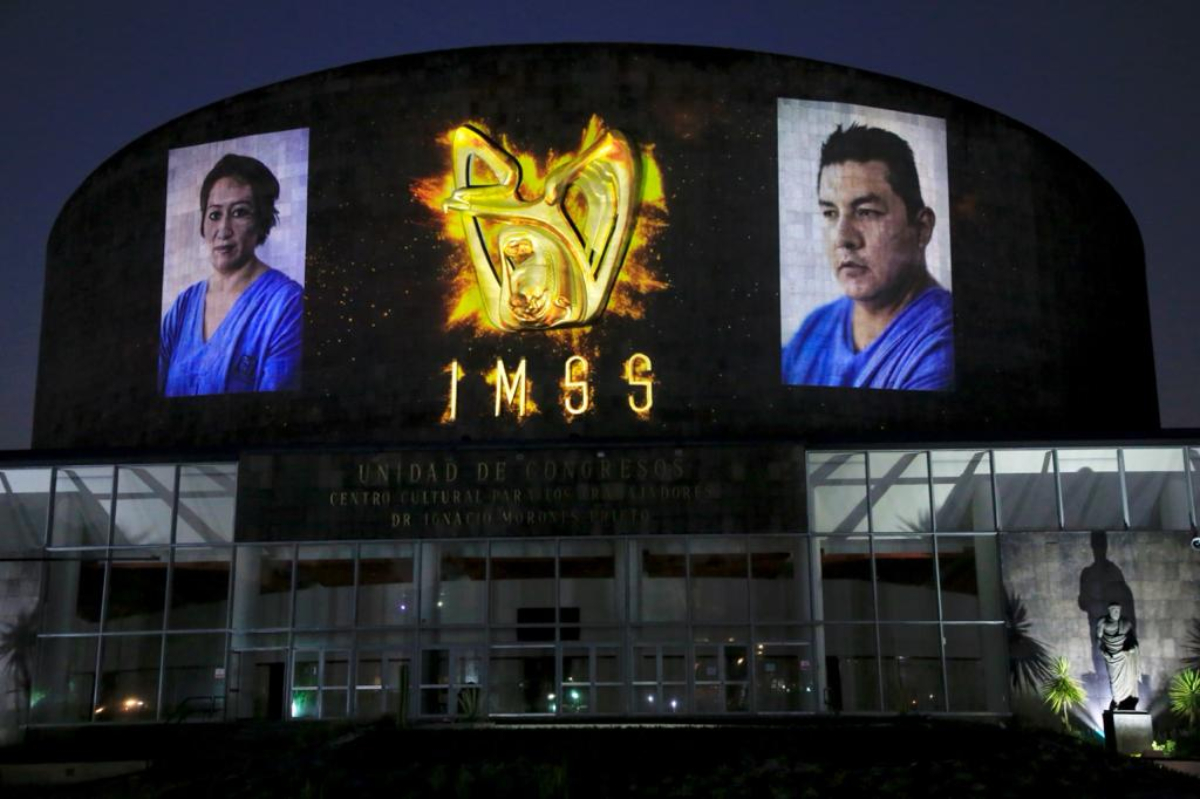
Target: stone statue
[1118,646]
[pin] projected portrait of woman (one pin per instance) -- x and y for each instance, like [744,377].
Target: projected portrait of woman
[238,329]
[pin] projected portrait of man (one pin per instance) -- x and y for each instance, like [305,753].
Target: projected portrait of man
[892,327]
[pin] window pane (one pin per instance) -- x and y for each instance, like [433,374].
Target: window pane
[194,680]
[454,635]
[523,582]
[851,671]
[333,703]
[144,498]
[207,495]
[323,639]
[912,668]
[77,586]
[137,589]
[337,670]
[200,588]
[262,596]
[386,591]
[779,577]
[608,665]
[907,585]
[975,668]
[659,633]
[453,582]
[591,582]
[325,587]
[1193,456]
[24,500]
[846,579]
[385,639]
[1157,489]
[962,491]
[64,681]
[82,503]
[837,485]
[1091,486]
[306,670]
[970,569]
[129,678]
[719,570]
[1025,483]
[900,492]
[660,589]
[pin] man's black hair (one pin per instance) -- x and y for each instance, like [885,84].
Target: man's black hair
[861,144]
[253,173]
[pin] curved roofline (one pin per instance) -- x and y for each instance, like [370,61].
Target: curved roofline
[649,45]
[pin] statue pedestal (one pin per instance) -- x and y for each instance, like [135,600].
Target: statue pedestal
[1128,732]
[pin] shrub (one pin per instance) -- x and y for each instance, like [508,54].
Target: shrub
[1185,695]
[1167,747]
[1062,692]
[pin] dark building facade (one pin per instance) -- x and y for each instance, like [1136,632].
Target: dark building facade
[590,381]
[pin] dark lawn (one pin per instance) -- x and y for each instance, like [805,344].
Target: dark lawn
[826,757]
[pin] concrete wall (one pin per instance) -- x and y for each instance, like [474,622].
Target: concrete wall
[1063,581]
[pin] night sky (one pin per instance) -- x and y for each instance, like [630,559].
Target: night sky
[1114,82]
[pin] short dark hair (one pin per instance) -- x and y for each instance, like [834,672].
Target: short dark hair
[861,143]
[253,173]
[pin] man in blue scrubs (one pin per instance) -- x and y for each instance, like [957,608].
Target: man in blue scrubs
[894,326]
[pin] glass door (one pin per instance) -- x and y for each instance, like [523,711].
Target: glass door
[256,683]
[591,680]
[319,684]
[785,679]
[452,680]
[660,679]
[522,681]
[383,686]
[722,674]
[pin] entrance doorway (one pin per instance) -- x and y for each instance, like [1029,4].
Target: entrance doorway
[383,686]
[257,684]
[452,680]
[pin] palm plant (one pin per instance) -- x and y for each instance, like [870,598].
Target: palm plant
[17,642]
[1062,692]
[1029,662]
[1192,659]
[1185,695]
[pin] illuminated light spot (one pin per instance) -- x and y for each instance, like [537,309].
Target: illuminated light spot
[576,390]
[637,374]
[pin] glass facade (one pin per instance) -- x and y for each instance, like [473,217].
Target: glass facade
[891,600]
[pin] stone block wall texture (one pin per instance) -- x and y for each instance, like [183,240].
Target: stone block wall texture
[1156,577]
[20,590]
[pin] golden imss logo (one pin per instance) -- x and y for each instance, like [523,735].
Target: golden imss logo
[548,260]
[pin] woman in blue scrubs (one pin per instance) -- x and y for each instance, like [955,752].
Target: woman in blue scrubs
[239,329]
